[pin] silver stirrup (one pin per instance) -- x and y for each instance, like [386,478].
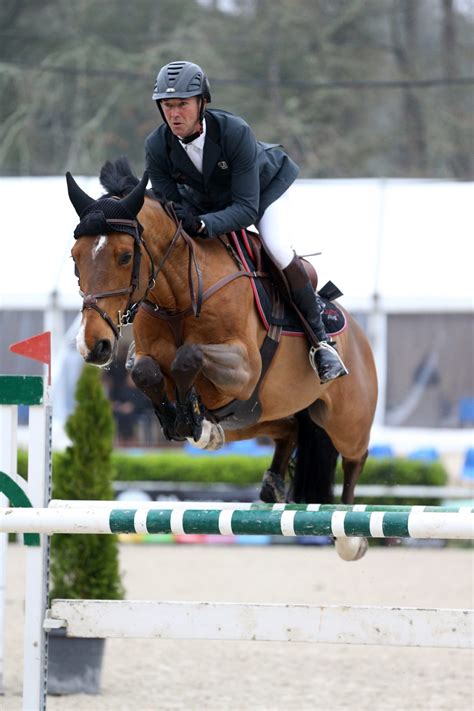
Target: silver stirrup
[325,346]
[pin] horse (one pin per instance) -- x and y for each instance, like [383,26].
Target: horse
[202,350]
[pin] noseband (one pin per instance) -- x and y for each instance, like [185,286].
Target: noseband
[89,301]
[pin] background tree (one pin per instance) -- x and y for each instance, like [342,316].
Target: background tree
[352,88]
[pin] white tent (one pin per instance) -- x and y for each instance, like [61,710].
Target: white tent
[409,242]
[392,246]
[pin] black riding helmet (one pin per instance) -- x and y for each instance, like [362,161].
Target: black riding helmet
[181,80]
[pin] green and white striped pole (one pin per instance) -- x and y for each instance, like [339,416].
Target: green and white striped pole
[246,506]
[259,521]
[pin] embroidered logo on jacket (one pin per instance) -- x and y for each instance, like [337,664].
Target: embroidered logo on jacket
[222,165]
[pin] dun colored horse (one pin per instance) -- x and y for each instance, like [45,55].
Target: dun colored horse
[200,344]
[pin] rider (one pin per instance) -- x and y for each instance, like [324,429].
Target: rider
[220,178]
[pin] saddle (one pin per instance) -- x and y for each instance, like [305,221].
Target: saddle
[273,301]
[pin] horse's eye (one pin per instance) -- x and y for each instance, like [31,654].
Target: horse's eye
[124,258]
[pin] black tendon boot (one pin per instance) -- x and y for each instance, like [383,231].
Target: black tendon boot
[324,359]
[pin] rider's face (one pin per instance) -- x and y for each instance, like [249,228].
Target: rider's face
[182,115]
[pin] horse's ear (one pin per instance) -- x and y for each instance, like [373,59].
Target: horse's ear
[77,196]
[134,201]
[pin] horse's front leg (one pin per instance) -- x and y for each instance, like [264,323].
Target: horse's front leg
[185,368]
[227,368]
[147,376]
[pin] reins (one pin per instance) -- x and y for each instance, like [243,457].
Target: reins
[175,319]
[196,301]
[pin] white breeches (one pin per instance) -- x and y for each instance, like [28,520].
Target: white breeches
[276,228]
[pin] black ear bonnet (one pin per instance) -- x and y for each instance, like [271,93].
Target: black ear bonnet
[106,214]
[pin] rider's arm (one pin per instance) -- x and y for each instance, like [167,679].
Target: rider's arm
[241,149]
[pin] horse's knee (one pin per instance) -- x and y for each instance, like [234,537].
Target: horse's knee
[147,375]
[188,359]
[186,367]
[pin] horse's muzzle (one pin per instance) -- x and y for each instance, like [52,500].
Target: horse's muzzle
[102,353]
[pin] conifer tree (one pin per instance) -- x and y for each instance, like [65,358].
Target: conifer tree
[86,566]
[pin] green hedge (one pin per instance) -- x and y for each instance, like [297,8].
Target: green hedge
[400,472]
[245,470]
[239,469]
[177,466]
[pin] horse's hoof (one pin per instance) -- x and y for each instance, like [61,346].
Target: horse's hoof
[273,488]
[351,548]
[212,437]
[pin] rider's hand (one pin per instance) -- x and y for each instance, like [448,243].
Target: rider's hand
[191,223]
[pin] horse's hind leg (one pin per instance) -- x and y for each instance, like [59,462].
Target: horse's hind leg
[284,433]
[352,547]
[352,469]
[273,489]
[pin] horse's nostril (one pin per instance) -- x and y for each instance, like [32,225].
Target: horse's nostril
[104,348]
[101,353]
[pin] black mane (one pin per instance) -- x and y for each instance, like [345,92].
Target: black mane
[118,178]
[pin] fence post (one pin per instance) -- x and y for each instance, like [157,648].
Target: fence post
[8,450]
[37,568]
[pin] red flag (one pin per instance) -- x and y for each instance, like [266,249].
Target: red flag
[37,347]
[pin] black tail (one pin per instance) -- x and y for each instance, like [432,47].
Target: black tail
[315,466]
[117,177]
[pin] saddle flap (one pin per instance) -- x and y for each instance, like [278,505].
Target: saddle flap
[250,252]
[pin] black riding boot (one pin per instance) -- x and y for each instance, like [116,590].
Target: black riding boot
[324,359]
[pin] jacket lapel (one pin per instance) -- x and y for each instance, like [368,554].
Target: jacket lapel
[212,150]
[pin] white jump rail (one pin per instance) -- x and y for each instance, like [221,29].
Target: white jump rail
[151,619]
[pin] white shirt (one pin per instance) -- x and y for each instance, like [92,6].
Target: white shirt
[195,148]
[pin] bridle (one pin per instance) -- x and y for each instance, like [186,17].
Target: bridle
[89,301]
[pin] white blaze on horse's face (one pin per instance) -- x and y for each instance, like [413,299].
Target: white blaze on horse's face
[99,245]
[102,268]
[81,341]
